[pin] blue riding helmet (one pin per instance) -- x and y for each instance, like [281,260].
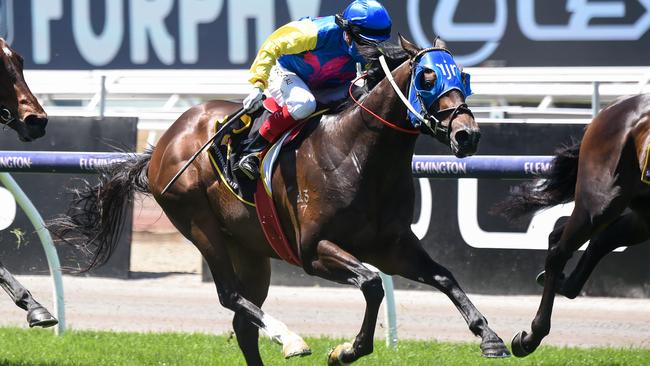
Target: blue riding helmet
[369,20]
[448,77]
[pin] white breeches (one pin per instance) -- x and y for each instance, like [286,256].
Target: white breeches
[289,89]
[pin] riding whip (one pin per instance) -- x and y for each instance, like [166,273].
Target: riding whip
[229,119]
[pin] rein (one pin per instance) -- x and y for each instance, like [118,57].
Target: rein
[392,125]
[432,121]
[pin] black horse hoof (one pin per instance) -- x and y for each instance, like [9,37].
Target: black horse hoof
[40,317]
[494,349]
[517,345]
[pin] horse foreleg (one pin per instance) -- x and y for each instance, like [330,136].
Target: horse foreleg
[335,264]
[37,315]
[408,259]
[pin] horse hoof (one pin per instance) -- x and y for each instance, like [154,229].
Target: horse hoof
[517,345]
[296,348]
[334,356]
[494,349]
[40,317]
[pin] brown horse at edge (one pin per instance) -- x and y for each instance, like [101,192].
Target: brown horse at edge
[345,196]
[602,174]
[20,111]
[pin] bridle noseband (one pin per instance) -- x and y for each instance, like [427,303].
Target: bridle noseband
[6,117]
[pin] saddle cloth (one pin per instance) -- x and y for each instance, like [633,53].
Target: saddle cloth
[258,194]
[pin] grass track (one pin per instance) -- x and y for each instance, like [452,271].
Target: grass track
[35,347]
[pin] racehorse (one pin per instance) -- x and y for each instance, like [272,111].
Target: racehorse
[345,196]
[20,110]
[603,175]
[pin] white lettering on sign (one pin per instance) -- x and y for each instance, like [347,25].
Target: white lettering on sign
[15,162]
[43,12]
[94,163]
[588,21]
[440,167]
[536,168]
[262,12]
[191,13]
[148,24]
[7,208]
[98,49]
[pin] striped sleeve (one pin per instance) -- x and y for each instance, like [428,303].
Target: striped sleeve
[290,39]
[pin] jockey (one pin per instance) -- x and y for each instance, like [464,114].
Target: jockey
[305,61]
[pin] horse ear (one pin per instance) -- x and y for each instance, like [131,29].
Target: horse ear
[439,43]
[409,47]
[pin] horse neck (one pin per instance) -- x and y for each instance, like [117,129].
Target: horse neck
[374,140]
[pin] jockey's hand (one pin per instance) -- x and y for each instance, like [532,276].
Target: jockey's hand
[254,100]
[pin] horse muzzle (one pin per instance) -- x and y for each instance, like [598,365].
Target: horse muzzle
[464,142]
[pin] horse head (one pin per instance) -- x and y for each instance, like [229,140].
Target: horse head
[19,108]
[437,91]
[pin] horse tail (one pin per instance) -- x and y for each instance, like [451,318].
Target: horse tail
[557,187]
[96,217]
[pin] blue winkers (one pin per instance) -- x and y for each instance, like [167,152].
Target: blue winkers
[448,77]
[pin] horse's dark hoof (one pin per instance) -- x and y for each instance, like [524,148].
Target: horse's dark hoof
[40,317]
[517,345]
[494,349]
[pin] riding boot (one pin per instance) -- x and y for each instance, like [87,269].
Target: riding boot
[249,164]
[269,132]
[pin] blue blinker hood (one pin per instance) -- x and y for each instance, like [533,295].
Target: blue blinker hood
[448,77]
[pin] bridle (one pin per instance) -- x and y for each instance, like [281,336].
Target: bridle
[6,117]
[433,121]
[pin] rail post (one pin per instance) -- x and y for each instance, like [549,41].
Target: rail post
[46,240]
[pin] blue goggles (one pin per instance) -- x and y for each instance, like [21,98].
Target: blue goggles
[448,77]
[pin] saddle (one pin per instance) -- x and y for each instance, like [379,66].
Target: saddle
[224,153]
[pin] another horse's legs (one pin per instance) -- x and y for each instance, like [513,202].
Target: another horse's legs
[629,229]
[408,259]
[207,237]
[334,264]
[562,244]
[37,315]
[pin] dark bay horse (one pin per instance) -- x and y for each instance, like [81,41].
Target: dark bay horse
[602,174]
[345,196]
[20,110]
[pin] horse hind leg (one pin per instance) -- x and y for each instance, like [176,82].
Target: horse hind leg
[580,226]
[629,229]
[205,235]
[334,264]
[254,276]
[409,260]
[37,314]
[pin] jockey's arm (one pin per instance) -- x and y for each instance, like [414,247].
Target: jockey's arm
[290,39]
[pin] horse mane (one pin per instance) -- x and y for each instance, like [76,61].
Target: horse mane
[394,55]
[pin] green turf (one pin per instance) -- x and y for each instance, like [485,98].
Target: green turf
[32,347]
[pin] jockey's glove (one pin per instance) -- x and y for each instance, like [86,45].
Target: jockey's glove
[254,100]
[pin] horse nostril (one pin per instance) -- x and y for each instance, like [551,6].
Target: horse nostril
[35,121]
[462,137]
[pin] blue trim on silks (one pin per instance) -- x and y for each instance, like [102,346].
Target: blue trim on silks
[448,77]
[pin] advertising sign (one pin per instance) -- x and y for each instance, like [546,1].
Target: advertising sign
[225,34]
